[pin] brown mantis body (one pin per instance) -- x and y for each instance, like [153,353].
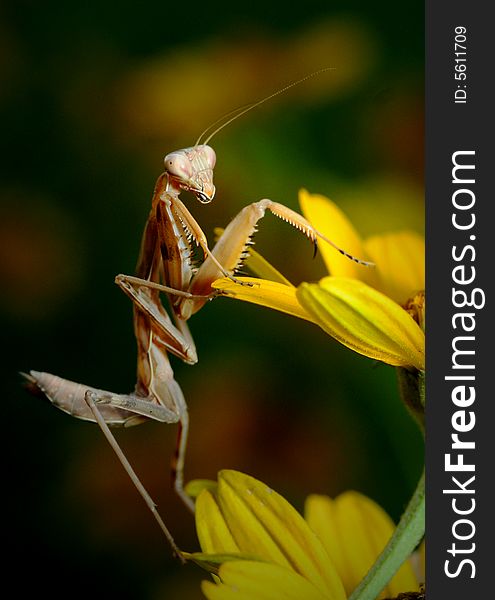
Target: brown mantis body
[165,265]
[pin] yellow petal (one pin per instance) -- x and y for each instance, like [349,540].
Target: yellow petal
[364,320]
[260,581]
[265,524]
[327,218]
[213,533]
[266,293]
[319,512]
[400,263]
[354,531]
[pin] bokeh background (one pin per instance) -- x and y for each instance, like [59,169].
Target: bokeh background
[92,96]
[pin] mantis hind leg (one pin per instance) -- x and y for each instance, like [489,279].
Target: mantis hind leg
[178,461]
[157,412]
[90,399]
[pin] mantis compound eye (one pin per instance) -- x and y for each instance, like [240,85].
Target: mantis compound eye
[210,156]
[178,165]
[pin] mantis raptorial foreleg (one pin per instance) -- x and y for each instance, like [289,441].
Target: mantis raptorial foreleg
[229,251]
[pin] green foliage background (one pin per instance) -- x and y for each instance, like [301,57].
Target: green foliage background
[92,96]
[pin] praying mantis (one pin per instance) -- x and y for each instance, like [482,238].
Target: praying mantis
[165,265]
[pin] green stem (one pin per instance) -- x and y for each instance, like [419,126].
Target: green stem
[406,537]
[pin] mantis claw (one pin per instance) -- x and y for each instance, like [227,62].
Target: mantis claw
[239,282]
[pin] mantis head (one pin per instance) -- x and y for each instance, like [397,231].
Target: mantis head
[191,169]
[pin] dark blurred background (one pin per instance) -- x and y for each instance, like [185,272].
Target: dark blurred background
[92,96]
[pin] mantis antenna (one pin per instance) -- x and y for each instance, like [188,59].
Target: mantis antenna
[232,112]
[243,110]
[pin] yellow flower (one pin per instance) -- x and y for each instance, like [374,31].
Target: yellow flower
[368,309]
[271,552]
